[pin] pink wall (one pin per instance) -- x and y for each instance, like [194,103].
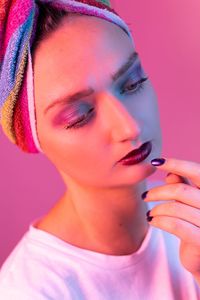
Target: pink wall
[168,41]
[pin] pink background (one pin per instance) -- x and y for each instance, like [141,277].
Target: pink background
[167,38]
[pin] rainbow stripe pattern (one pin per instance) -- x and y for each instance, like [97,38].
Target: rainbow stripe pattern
[18,20]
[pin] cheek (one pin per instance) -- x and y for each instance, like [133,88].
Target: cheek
[151,107]
[74,153]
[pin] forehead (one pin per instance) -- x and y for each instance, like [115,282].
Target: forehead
[82,50]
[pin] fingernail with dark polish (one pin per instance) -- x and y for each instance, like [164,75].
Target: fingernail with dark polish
[144,195]
[148,213]
[149,218]
[158,161]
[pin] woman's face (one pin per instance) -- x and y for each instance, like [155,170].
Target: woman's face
[84,136]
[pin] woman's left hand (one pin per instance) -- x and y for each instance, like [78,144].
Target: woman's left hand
[180,214]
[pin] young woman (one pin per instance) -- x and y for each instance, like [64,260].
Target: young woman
[98,123]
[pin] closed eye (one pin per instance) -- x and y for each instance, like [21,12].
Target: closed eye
[134,87]
[84,119]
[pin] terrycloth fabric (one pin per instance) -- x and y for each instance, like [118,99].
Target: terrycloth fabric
[18,20]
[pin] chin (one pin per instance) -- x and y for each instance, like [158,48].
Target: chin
[131,175]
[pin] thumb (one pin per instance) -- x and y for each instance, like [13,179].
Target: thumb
[174,178]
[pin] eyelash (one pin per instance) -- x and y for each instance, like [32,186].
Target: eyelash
[84,120]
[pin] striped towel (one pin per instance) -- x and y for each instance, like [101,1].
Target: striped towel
[18,21]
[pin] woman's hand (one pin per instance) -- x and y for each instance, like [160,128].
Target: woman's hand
[180,214]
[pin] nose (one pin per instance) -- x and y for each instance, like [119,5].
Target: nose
[122,124]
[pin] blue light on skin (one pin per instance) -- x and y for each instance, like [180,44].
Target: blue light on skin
[122,122]
[75,112]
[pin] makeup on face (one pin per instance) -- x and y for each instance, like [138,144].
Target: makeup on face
[77,110]
[138,155]
[75,114]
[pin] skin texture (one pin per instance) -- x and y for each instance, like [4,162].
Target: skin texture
[179,214]
[101,209]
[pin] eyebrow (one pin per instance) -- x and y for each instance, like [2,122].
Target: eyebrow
[87,92]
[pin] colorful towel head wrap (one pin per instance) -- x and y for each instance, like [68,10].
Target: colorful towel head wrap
[18,20]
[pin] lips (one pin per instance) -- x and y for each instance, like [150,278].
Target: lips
[137,151]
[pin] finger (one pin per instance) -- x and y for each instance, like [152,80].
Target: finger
[184,168]
[179,191]
[184,230]
[177,210]
[174,178]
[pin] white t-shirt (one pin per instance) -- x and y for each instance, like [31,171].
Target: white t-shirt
[42,266]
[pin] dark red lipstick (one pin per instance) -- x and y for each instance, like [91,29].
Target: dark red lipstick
[137,155]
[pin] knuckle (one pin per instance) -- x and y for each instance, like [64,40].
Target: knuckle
[173,208]
[174,226]
[180,188]
[196,167]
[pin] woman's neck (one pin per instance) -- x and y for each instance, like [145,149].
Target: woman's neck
[113,222]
